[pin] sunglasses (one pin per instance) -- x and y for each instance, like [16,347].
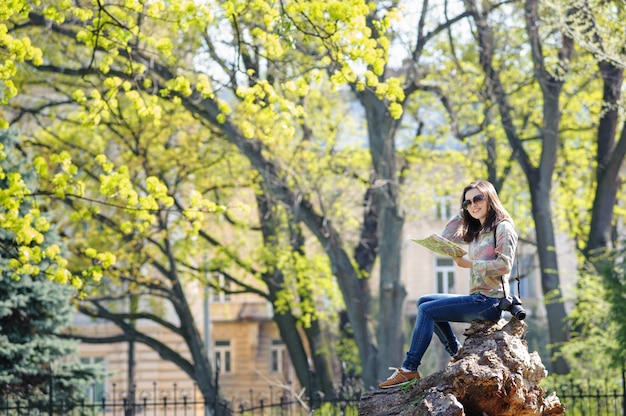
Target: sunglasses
[478,198]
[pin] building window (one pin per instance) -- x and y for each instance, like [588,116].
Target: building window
[223,355]
[221,295]
[443,207]
[278,354]
[95,391]
[444,274]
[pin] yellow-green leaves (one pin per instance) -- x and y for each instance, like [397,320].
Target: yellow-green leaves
[308,289]
[35,249]
[82,13]
[12,52]
[41,166]
[181,85]
[158,190]
[204,86]
[104,163]
[198,207]
[25,225]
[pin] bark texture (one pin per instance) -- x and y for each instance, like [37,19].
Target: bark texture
[496,375]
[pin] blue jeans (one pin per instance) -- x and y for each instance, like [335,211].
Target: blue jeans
[434,314]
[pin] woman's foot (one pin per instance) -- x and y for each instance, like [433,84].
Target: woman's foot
[399,377]
[456,357]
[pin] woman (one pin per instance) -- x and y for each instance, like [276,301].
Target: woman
[490,262]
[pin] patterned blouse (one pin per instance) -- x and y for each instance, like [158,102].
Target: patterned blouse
[490,261]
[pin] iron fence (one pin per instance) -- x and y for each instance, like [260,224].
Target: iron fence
[579,399]
[582,399]
[177,402]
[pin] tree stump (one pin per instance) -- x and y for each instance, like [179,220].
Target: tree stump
[495,375]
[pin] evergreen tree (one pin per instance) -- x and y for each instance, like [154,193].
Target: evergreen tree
[33,309]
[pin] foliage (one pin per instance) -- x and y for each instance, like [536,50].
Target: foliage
[160,124]
[34,310]
[13,51]
[591,323]
[595,351]
[595,25]
[598,325]
[150,201]
[25,222]
[614,280]
[22,222]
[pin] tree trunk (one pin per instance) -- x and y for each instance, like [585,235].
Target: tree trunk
[286,321]
[609,159]
[381,132]
[390,333]
[287,326]
[550,284]
[202,371]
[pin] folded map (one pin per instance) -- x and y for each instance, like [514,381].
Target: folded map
[441,245]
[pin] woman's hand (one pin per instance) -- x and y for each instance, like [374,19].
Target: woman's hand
[463,262]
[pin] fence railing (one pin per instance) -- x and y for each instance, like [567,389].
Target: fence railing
[177,402]
[579,400]
[593,400]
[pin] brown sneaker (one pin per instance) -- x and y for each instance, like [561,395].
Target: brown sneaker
[399,378]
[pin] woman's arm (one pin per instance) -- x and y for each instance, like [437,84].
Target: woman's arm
[463,262]
[451,230]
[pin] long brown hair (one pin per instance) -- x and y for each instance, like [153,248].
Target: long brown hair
[495,215]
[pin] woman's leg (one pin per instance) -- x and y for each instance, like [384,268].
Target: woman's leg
[442,329]
[446,308]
